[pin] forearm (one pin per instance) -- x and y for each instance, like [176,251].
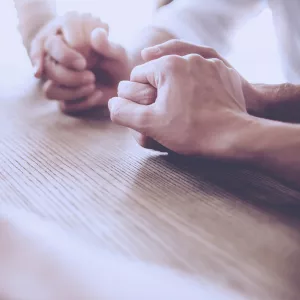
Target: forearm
[273,146]
[32,15]
[195,21]
[277,102]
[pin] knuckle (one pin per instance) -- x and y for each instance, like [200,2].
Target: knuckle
[122,87]
[173,63]
[149,95]
[218,63]
[135,72]
[194,58]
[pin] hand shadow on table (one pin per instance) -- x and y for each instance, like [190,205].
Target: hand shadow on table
[228,183]
[238,180]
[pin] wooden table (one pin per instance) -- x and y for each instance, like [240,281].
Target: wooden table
[224,223]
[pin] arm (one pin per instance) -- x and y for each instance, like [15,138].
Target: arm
[209,23]
[276,102]
[270,145]
[218,124]
[286,23]
[33,15]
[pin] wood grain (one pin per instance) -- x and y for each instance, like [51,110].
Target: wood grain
[225,223]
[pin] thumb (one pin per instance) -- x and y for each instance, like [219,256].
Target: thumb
[130,114]
[103,46]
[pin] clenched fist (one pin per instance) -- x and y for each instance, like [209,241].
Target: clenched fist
[199,106]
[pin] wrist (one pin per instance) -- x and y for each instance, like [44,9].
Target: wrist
[276,102]
[255,98]
[269,145]
[33,15]
[239,141]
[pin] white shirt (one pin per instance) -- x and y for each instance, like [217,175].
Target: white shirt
[207,22]
[213,22]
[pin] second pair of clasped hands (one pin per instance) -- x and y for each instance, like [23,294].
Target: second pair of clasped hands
[184,98]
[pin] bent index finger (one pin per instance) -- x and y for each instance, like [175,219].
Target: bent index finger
[56,92]
[138,92]
[63,54]
[132,115]
[66,77]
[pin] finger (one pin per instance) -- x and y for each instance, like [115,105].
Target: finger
[66,77]
[38,67]
[77,30]
[53,91]
[37,56]
[146,73]
[177,47]
[85,104]
[91,23]
[137,92]
[103,46]
[63,54]
[72,30]
[130,114]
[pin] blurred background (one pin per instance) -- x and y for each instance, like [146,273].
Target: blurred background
[254,51]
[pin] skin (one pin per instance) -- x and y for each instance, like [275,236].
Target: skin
[276,102]
[64,49]
[200,110]
[81,68]
[82,71]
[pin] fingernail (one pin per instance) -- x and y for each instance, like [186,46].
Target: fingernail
[154,49]
[89,78]
[79,64]
[36,70]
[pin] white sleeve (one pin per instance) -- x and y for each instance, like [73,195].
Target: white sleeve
[32,15]
[287,25]
[211,23]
